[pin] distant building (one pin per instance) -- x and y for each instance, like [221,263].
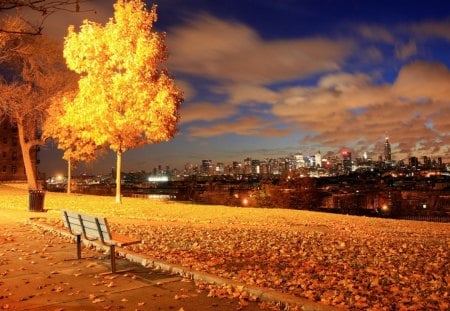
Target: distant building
[247,166]
[264,168]
[414,163]
[236,168]
[426,162]
[347,161]
[318,159]
[11,161]
[255,167]
[387,150]
[220,168]
[299,161]
[207,167]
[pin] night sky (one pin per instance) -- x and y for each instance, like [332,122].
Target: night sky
[266,79]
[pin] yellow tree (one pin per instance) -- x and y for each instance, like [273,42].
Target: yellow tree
[126,98]
[75,147]
[32,71]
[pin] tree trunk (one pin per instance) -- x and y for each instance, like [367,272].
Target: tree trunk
[30,170]
[118,177]
[69,176]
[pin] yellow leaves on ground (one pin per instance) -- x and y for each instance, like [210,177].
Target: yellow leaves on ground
[358,263]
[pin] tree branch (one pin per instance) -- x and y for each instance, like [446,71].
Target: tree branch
[45,7]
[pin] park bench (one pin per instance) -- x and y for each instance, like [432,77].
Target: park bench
[94,228]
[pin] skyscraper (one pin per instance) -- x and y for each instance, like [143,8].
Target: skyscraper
[318,159]
[207,167]
[347,161]
[387,150]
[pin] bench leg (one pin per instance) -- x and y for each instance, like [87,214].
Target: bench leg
[79,246]
[113,258]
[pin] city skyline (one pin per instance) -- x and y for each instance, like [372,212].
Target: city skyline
[268,78]
[341,162]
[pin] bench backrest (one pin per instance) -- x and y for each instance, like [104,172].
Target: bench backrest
[91,227]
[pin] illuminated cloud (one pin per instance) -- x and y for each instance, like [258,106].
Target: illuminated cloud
[439,29]
[239,93]
[186,87]
[405,51]
[227,50]
[247,126]
[206,112]
[376,33]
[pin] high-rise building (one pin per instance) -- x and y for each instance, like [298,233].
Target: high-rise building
[426,162]
[207,167]
[387,150]
[220,168]
[318,159]
[299,161]
[247,166]
[237,168]
[347,161]
[256,167]
[413,162]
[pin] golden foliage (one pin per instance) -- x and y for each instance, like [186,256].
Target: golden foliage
[75,147]
[125,99]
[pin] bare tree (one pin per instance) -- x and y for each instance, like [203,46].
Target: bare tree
[45,8]
[32,72]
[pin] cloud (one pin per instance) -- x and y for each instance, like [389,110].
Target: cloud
[206,112]
[423,80]
[186,87]
[247,126]
[439,29]
[373,54]
[232,51]
[239,93]
[405,51]
[376,33]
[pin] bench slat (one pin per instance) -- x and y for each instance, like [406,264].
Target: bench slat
[88,226]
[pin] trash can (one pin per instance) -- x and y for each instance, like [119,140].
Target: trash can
[36,200]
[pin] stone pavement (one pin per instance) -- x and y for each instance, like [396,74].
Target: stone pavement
[39,271]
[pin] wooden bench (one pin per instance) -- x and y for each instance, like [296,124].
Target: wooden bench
[94,228]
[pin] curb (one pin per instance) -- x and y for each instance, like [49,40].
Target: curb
[286,301]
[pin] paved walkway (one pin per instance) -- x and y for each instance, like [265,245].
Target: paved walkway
[38,271]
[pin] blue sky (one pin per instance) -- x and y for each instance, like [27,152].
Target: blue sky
[270,78]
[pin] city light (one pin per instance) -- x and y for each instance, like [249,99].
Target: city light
[158,179]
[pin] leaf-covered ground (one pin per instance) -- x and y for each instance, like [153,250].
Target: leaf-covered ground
[358,263]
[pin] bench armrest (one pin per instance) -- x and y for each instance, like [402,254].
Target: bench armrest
[123,240]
